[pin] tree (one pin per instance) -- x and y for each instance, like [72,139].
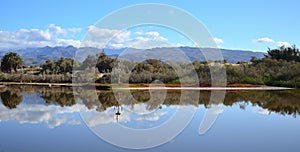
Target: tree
[285,53]
[11,62]
[61,66]
[65,65]
[104,63]
[89,62]
[49,67]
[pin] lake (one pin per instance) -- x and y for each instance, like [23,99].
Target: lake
[60,119]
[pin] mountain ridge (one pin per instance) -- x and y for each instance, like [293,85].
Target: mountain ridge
[37,56]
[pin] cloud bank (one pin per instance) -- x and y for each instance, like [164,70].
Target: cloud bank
[50,115]
[27,38]
[55,35]
[53,115]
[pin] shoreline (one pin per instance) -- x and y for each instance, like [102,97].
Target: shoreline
[206,88]
[38,84]
[147,87]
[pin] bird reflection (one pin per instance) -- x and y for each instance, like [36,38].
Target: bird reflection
[118,113]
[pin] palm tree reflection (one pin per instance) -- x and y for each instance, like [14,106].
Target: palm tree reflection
[11,99]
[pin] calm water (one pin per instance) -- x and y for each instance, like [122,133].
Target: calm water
[52,119]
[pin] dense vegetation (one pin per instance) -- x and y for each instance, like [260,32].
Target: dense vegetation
[279,67]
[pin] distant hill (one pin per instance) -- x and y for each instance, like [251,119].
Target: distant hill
[37,56]
[232,56]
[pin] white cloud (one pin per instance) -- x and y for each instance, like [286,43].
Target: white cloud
[67,42]
[162,39]
[97,34]
[56,30]
[74,30]
[51,115]
[180,45]
[141,108]
[94,118]
[26,38]
[148,43]
[281,43]
[218,41]
[269,40]
[97,37]
[263,111]
[260,110]
[152,34]
[217,110]
[24,34]
[54,115]
[264,40]
[146,40]
[154,117]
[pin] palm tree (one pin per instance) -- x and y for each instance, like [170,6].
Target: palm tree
[11,62]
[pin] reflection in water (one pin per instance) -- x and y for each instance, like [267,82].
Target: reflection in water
[39,105]
[55,106]
[11,99]
[283,102]
[51,115]
[61,98]
[118,113]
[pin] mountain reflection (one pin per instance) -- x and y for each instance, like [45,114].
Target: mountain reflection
[55,105]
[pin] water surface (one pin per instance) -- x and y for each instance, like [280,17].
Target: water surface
[49,119]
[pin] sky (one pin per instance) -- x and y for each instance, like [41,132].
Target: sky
[244,25]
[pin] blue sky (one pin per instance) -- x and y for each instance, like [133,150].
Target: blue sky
[247,25]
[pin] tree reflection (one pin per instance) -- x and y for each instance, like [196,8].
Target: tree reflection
[11,99]
[282,102]
[63,99]
[285,102]
[62,96]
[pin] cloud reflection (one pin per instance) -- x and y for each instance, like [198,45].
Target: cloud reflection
[51,115]
[54,115]
[144,114]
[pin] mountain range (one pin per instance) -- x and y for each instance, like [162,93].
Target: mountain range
[37,56]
